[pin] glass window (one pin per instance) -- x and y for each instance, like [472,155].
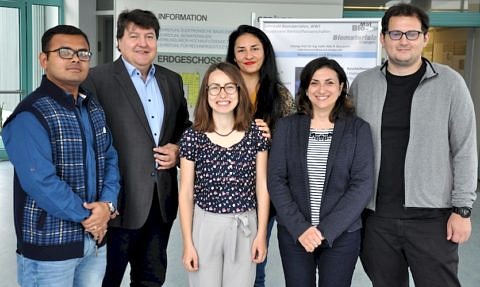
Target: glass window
[43,18]
[10,89]
[10,81]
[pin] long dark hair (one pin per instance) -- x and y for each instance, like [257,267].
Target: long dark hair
[203,112]
[343,105]
[269,102]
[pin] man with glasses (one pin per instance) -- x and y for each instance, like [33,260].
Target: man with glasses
[147,112]
[424,134]
[66,179]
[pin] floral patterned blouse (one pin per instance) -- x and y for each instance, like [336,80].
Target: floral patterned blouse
[225,178]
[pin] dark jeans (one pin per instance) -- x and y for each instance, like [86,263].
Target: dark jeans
[391,246]
[335,264]
[260,275]
[144,248]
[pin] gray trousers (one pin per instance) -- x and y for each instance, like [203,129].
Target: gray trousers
[223,243]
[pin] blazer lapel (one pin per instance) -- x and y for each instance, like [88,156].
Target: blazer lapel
[303,133]
[123,80]
[336,139]
[167,101]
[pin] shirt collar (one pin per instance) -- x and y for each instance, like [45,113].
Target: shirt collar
[80,99]
[132,71]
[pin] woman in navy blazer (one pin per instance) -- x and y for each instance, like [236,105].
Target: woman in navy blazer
[320,178]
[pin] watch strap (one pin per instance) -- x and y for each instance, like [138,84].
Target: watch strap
[463,211]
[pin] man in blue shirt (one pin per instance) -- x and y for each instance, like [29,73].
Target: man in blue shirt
[147,112]
[66,179]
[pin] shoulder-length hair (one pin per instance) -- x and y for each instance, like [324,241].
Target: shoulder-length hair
[269,104]
[243,112]
[343,106]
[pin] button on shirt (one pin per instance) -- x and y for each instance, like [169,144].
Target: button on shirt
[90,153]
[150,96]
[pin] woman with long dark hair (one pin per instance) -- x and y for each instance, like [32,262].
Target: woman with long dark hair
[252,52]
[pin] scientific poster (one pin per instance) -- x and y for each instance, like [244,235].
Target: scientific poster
[353,43]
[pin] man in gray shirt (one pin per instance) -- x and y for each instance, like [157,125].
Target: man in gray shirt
[424,134]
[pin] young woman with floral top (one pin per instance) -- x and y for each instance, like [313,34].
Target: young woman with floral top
[223,198]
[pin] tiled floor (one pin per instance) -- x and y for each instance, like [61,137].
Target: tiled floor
[469,268]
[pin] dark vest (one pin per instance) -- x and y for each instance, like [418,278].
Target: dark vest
[41,236]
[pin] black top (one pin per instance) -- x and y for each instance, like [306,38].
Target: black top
[395,133]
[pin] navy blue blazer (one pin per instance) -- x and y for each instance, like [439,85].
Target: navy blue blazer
[349,178]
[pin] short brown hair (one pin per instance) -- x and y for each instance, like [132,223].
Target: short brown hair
[407,10]
[143,18]
[243,112]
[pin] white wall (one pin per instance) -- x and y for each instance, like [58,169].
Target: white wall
[72,12]
[88,24]
[83,15]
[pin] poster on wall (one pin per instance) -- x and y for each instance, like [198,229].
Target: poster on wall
[353,43]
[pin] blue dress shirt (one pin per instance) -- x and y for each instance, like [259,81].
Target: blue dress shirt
[151,97]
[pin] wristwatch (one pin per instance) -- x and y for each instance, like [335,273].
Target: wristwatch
[111,207]
[464,211]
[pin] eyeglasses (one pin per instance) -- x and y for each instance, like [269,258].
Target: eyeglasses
[229,88]
[410,35]
[68,53]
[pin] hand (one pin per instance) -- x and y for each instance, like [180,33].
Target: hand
[98,218]
[262,125]
[259,249]
[114,215]
[311,239]
[99,233]
[166,156]
[458,228]
[190,258]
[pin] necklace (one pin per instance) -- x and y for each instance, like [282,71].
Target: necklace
[223,135]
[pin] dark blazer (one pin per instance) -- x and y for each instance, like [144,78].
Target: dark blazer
[133,139]
[349,180]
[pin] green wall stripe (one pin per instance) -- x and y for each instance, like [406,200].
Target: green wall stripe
[437,19]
